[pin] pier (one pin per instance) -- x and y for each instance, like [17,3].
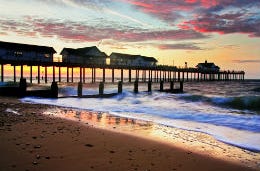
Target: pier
[142,73]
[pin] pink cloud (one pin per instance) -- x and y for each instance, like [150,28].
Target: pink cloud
[77,32]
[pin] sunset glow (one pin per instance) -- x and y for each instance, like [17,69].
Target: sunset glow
[225,32]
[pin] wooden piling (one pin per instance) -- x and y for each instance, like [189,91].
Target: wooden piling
[120,87]
[54,89]
[101,88]
[136,86]
[149,86]
[171,85]
[181,86]
[22,86]
[80,89]
[161,85]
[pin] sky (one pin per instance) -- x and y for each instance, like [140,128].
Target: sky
[226,32]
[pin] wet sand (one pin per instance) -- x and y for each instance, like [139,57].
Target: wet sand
[33,140]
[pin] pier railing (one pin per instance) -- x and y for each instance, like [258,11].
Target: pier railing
[155,73]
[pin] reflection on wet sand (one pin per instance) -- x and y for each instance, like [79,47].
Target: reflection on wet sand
[199,142]
[104,120]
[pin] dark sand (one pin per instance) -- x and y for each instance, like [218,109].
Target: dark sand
[33,141]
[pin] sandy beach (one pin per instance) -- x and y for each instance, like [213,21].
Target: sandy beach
[32,140]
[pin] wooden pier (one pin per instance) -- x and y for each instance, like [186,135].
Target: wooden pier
[142,73]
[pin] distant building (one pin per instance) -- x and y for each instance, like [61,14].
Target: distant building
[24,52]
[207,66]
[131,60]
[86,55]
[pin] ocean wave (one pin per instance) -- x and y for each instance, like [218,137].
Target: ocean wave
[256,89]
[240,102]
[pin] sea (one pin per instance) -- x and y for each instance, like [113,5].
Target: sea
[227,110]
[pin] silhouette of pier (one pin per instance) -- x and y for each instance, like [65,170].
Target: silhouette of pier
[142,73]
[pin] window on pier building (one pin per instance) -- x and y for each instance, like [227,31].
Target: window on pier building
[18,54]
[47,55]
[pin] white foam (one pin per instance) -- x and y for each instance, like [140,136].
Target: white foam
[242,130]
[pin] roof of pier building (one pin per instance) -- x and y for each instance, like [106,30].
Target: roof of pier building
[133,57]
[26,47]
[84,52]
[207,65]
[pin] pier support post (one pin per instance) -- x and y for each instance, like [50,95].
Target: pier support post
[46,74]
[59,74]
[39,76]
[130,76]
[120,87]
[31,74]
[136,86]
[160,75]
[53,73]
[54,89]
[2,73]
[80,89]
[84,75]
[80,74]
[113,75]
[104,75]
[14,74]
[21,71]
[157,76]
[161,85]
[22,86]
[181,86]
[149,86]
[101,88]
[68,74]
[122,75]
[72,75]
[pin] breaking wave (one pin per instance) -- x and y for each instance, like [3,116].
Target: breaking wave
[240,102]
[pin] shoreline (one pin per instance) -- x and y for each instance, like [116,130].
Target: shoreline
[45,142]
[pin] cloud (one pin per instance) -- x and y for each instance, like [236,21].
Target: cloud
[225,24]
[246,61]
[165,9]
[206,16]
[187,46]
[82,32]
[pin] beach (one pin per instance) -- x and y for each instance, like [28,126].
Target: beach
[32,140]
